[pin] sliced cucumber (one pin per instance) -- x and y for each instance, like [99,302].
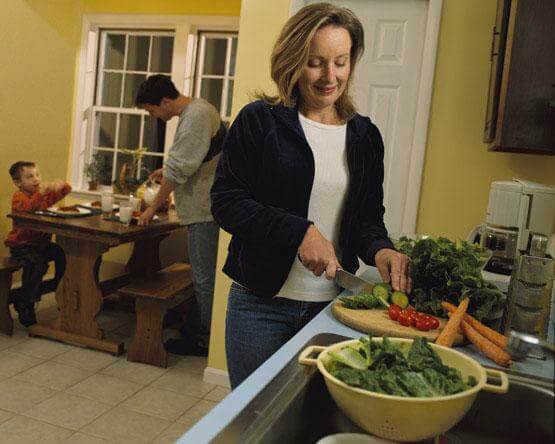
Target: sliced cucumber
[399,298]
[381,291]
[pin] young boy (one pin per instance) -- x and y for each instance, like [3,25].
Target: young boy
[32,248]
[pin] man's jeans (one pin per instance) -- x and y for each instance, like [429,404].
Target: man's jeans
[256,328]
[203,251]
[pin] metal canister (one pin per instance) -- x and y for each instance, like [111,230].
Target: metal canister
[529,296]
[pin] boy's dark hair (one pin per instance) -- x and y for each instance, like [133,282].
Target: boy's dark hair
[17,168]
[154,89]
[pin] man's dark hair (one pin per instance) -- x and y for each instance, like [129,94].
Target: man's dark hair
[17,168]
[154,89]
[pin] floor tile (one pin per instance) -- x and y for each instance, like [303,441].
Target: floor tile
[162,403]
[53,375]
[217,394]
[68,411]
[104,388]
[192,364]
[40,348]
[21,429]
[13,363]
[18,397]
[197,412]
[5,415]
[172,433]
[183,382]
[81,438]
[123,425]
[9,341]
[134,371]
[86,359]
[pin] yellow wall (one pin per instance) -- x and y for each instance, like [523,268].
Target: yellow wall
[39,43]
[458,169]
[259,26]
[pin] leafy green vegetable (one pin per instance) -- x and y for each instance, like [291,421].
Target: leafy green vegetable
[360,301]
[443,270]
[383,367]
[350,357]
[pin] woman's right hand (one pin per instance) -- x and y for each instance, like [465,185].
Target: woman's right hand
[317,253]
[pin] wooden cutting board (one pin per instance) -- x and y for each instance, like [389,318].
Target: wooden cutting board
[377,323]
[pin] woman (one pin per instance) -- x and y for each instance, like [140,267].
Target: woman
[299,187]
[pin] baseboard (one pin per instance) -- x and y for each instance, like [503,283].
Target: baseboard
[216,376]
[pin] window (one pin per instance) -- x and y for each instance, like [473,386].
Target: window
[126,59]
[215,70]
[118,54]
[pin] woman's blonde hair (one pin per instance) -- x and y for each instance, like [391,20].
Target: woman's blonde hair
[291,51]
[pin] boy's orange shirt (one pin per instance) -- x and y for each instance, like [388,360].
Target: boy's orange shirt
[36,201]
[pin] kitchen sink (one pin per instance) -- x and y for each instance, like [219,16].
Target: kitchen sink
[295,407]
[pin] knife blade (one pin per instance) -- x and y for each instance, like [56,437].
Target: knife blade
[350,282]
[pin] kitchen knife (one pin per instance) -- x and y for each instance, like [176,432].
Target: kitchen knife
[350,282]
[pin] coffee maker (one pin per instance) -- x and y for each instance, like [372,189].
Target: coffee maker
[520,219]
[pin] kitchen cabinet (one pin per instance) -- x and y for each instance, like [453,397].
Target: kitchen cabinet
[520,114]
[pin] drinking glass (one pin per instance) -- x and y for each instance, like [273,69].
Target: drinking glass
[107,204]
[125,212]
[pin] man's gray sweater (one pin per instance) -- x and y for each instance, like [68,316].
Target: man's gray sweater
[198,124]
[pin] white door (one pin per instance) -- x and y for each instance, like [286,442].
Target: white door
[386,88]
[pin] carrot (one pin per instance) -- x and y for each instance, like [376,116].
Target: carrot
[449,332]
[488,348]
[495,337]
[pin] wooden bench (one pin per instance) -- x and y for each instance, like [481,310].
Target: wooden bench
[154,294]
[7,267]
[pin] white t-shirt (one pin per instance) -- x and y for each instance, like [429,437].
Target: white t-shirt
[325,209]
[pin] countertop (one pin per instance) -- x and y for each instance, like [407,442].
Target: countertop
[221,415]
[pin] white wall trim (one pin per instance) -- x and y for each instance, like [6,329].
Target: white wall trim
[423,105]
[90,25]
[216,376]
[422,116]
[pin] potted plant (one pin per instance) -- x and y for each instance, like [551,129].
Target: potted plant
[94,171]
[127,181]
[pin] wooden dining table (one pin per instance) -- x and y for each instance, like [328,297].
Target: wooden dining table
[80,294]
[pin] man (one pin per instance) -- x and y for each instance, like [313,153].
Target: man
[189,172]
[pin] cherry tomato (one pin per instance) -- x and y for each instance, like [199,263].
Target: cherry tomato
[423,324]
[410,311]
[393,312]
[405,319]
[434,323]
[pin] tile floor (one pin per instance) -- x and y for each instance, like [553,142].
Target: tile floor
[52,392]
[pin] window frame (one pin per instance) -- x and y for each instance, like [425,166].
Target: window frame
[185,28]
[198,76]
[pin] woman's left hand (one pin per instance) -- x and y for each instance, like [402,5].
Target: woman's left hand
[394,267]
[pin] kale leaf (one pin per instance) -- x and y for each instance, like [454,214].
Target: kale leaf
[443,270]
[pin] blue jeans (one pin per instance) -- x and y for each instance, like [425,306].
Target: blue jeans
[256,328]
[203,251]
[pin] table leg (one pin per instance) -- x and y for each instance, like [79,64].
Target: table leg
[145,258]
[79,297]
